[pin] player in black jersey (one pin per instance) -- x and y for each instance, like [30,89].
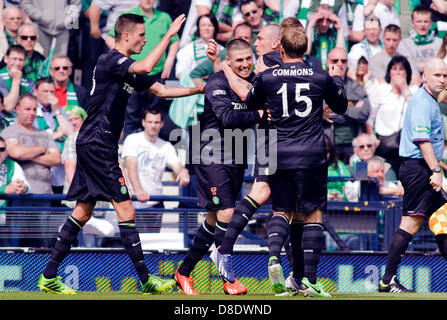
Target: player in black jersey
[294,93]
[277,231]
[220,175]
[98,175]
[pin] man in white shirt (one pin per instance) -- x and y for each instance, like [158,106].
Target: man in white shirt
[146,157]
[370,46]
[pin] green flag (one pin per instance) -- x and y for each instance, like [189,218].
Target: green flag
[44,70]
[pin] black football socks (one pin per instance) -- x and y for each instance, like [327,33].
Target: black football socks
[241,216]
[65,239]
[397,248]
[277,232]
[296,237]
[132,243]
[203,239]
[313,243]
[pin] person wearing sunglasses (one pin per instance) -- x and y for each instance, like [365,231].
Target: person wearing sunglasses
[12,181]
[67,93]
[344,127]
[27,38]
[252,14]
[364,146]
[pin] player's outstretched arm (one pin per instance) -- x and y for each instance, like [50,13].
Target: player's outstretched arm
[150,61]
[165,91]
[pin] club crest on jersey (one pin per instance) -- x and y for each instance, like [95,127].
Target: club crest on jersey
[213,190]
[128,88]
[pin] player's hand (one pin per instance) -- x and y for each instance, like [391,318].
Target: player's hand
[176,25]
[212,51]
[335,70]
[436,181]
[328,114]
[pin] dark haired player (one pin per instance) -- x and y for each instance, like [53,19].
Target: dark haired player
[277,235]
[219,181]
[98,175]
[294,93]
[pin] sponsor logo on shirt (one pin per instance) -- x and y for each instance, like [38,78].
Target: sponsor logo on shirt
[128,88]
[121,60]
[219,92]
[239,106]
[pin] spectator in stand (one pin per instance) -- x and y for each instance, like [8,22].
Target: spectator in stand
[379,62]
[52,118]
[114,9]
[12,20]
[160,21]
[53,20]
[28,39]
[422,44]
[146,157]
[12,82]
[375,169]
[336,168]
[344,127]
[369,46]
[324,33]
[227,14]
[272,13]
[12,181]
[388,105]
[194,53]
[252,14]
[36,152]
[364,149]
[362,73]
[67,93]
[442,53]
[385,11]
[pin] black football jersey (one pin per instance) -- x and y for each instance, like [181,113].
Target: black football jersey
[112,87]
[224,113]
[294,93]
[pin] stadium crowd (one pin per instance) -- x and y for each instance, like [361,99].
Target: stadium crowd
[49,49]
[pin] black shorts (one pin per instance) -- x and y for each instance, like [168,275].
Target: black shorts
[300,190]
[260,173]
[218,186]
[98,175]
[419,198]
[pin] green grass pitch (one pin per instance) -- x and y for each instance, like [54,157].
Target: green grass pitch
[38,295]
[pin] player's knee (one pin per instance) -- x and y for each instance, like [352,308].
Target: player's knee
[411,224]
[260,192]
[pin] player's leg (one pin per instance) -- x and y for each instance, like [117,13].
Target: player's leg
[203,239]
[242,214]
[259,194]
[67,236]
[131,241]
[408,227]
[296,259]
[419,201]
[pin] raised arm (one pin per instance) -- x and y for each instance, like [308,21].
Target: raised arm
[150,61]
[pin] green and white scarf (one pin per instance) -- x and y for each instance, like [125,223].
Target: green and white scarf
[422,40]
[72,99]
[226,15]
